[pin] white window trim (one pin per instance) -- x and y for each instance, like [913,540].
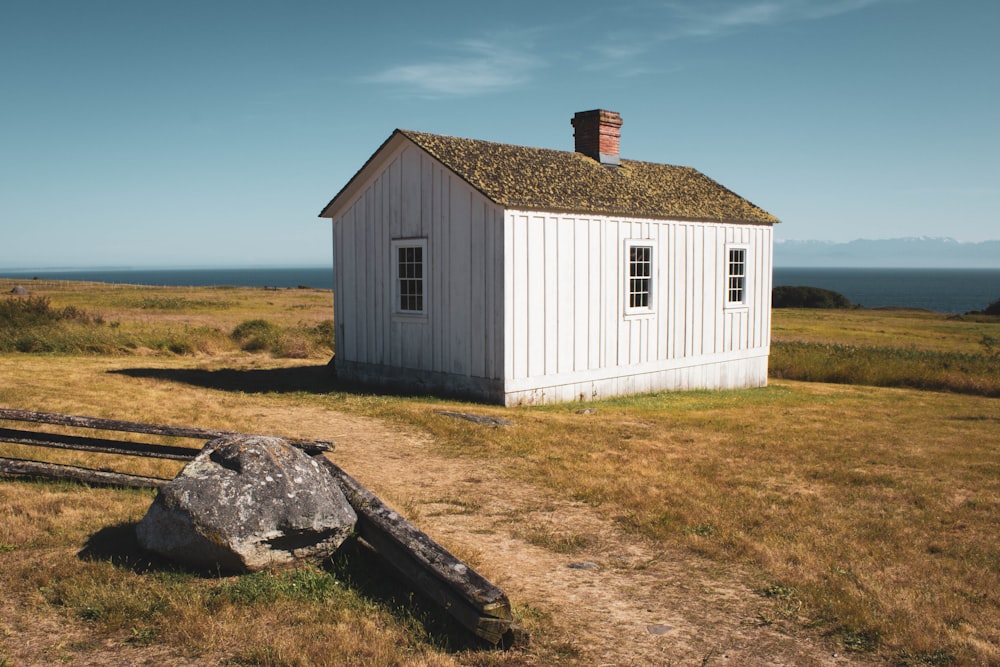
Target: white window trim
[728,276]
[397,311]
[640,311]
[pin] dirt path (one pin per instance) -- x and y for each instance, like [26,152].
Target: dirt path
[609,598]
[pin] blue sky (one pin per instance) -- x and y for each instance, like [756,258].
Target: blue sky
[147,134]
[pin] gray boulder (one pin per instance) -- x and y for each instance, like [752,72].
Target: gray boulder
[245,504]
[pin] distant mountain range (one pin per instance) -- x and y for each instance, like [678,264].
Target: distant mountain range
[918,252]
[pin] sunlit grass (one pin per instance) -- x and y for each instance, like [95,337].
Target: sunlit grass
[867,513]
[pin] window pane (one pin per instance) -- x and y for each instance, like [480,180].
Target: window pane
[640,269]
[737,275]
[410,272]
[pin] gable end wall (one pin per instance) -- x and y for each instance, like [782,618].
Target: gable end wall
[412,196]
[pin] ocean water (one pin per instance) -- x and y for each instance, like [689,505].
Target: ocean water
[942,290]
[318,277]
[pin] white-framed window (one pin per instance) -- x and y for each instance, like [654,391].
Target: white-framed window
[639,277]
[409,261]
[736,276]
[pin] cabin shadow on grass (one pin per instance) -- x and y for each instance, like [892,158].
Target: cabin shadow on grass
[354,564]
[296,379]
[310,379]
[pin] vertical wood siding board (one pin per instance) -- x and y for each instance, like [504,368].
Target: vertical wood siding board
[759,284]
[423,190]
[379,275]
[410,159]
[690,331]
[662,289]
[366,233]
[496,326]
[507,302]
[718,287]
[338,281]
[697,288]
[768,250]
[581,295]
[503,288]
[520,298]
[596,301]
[349,297]
[536,296]
[486,298]
[679,303]
[652,328]
[434,280]
[565,320]
[685,300]
[376,275]
[685,231]
[477,288]
[458,276]
[438,296]
[616,327]
[551,294]
[426,194]
[363,281]
[393,198]
[670,287]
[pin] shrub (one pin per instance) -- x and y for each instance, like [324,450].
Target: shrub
[257,335]
[299,342]
[993,308]
[787,296]
[18,313]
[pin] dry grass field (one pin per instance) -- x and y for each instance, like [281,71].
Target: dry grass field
[803,523]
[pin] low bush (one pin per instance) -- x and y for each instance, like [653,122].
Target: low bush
[257,335]
[298,342]
[787,296]
[993,308]
[35,311]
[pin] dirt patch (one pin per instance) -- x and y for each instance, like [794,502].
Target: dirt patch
[609,597]
[593,593]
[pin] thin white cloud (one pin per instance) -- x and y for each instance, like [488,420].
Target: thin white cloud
[710,19]
[476,67]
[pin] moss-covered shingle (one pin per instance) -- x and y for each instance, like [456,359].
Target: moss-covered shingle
[548,180]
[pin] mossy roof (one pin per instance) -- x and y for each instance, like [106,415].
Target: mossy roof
[519,177]
[545,179]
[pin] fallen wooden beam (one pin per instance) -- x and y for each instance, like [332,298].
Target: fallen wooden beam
[103,445]
[474,602]
[309,445]
[22,468]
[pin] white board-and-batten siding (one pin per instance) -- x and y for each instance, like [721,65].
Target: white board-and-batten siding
[569,335]
[412,197]
[529,307]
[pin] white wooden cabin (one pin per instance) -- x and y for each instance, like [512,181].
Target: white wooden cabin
[521,275]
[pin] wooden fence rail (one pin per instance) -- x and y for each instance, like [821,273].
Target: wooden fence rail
[6,414]
[475,603]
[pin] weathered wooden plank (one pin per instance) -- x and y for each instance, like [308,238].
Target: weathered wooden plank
[103,445]
[310,446]
[473,601]
[21,468]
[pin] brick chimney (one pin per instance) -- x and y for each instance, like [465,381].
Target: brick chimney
[597,133]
